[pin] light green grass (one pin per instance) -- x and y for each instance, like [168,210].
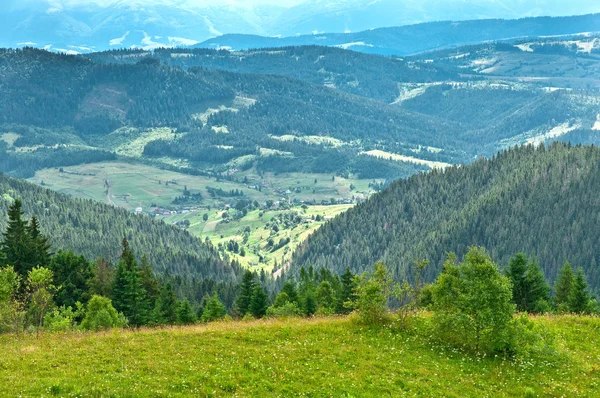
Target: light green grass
[319,357]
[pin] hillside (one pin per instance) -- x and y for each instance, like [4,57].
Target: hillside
[96,230]
[412,39]
[292,357]
[539,201]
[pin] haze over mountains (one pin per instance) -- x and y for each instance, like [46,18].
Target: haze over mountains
[83,26]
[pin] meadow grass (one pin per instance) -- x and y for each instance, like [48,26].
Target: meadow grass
[292,357]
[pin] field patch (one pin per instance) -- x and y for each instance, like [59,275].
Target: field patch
[402,158]
[135,148]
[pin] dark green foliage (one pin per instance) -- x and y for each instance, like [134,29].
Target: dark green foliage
[213,310]
[563,288]
[185,313]
[246,290]
[95,230]
[165,309]
[493,203]
[530,291]
[347,293]
[128,293]
[291,291]
[17,247]
[72,276]
[579,302]
[258,302]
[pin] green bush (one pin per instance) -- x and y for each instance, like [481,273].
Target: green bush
[62,318]
[372,296]
[101,315]
[284,310]
[472,305]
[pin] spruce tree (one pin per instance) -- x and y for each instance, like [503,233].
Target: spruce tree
[149,282]
[517,273]
[246,290]
[290,289]
[16,245]
[530,290]
[213,310]
[128,293]
[563,288]
[579,301]
[165,310]
[72,274]
[258,302]
[40,248]
[325,297]
[185,313]
[539,290]
[347,294]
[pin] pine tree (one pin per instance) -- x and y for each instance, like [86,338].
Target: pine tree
[563,288]
[72,274]
[530,290]
[165,310]
[290,289]
[185,313]
[128,293]
[16,246]
[213,310]
[258,302]
[579,301]
[246,290]
[40,248]
[347,294]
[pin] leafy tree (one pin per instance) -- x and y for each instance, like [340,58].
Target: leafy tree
[372,294]
[563,288]
[530,290]
[284,310]
[40,290]
[185,313]
[72,275]
[128,293]
[165,309]
[246,291]
[258,302]
[472,304]
[213,310]
[101,315]
[10,308]
[579,302]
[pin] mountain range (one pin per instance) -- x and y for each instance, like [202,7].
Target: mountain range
[76,26]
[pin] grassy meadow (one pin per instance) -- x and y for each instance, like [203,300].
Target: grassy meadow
[293,357]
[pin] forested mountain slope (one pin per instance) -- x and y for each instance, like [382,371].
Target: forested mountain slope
[366,75]
[96,230]
[411,39]
[542,201]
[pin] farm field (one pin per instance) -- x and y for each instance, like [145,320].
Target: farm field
[260,232]
[267,235]
[316,357]
[132,185]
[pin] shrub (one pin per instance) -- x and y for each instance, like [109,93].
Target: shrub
[62,318]
[372,295]
[285,310]
[101,315]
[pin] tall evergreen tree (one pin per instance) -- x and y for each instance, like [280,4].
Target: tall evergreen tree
[165,310]
[563,288]
[128,293]
[40,248]
[16,245]
[246,291]
[72,275]
[579,301]
[149,282]
[347,293]
[290,289]
[258,302]
[530,290]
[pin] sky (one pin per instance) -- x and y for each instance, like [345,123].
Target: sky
[67,4]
